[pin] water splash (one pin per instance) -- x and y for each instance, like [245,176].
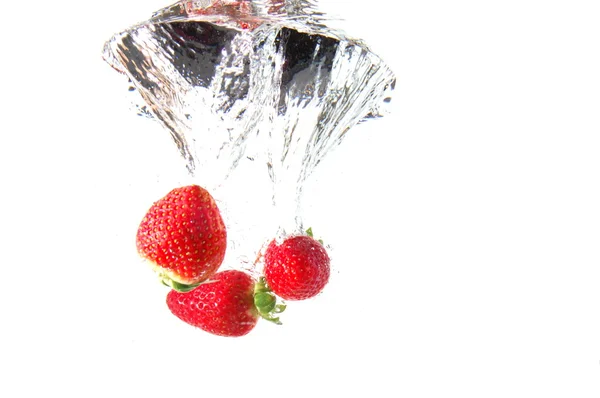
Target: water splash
[261,83]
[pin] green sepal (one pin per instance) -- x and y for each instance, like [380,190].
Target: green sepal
[279,308]
[180,287]
[265,302]
[309,232]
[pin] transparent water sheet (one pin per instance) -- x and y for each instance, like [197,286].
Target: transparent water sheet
[217,73]
[263,83]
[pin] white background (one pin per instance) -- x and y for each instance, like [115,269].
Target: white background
[466,224]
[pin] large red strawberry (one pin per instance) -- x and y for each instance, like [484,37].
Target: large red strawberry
[184,237]
[228,304]
[298,268]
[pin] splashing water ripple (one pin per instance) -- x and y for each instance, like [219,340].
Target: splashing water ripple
[263,83]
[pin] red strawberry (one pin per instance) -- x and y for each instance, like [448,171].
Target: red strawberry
[184,237]
[228,304]
[223,306]
[298,268]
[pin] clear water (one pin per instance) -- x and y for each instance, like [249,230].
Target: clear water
[254,95]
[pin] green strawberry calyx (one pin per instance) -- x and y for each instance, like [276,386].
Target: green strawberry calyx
[266,303]
[180,287]
[309,232]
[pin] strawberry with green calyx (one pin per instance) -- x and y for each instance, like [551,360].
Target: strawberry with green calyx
[223,305]
[228,304]
[183,236]
[298,268]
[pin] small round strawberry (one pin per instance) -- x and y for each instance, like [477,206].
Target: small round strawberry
[184,237]
[228,304]
[298,268]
